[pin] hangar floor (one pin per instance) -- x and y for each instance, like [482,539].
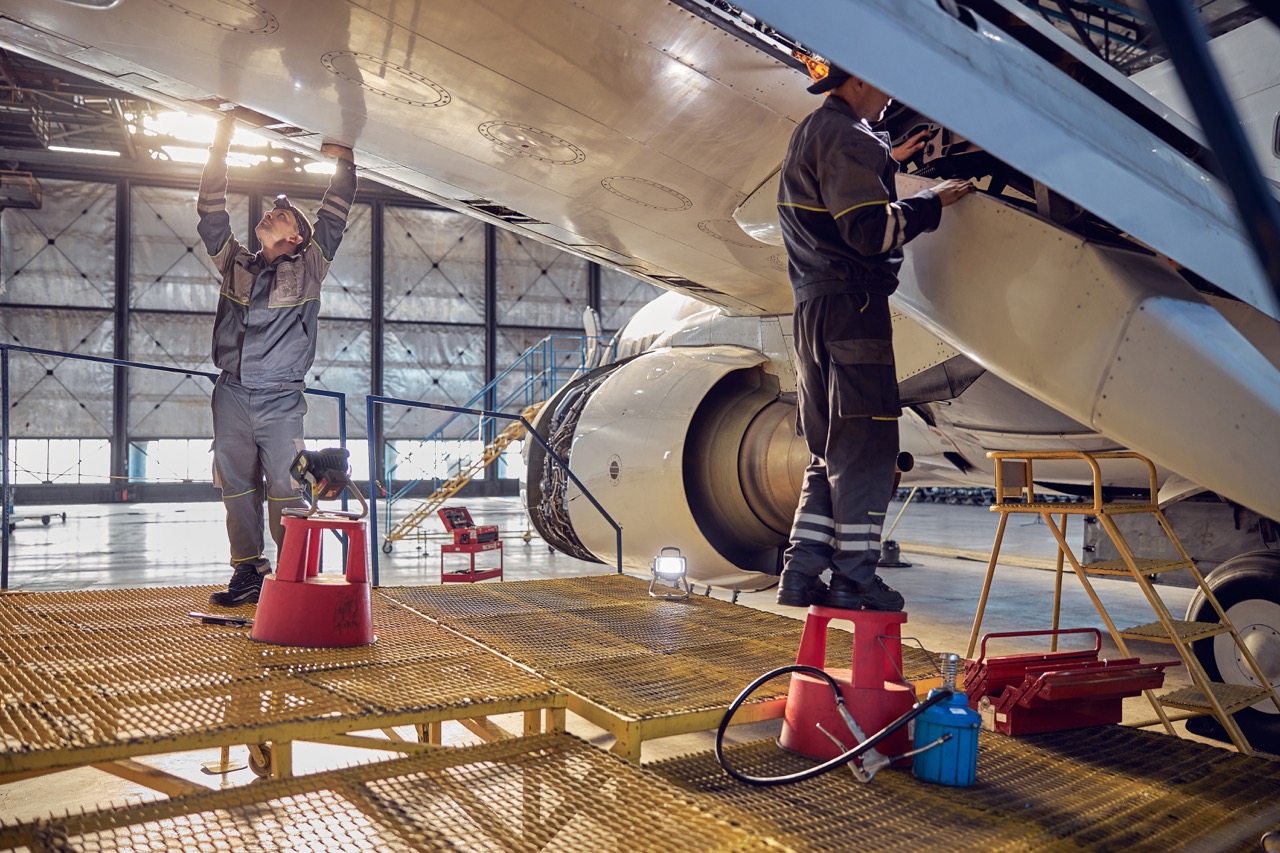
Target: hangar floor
[133,546]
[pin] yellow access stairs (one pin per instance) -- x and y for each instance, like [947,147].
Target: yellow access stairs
[409,525]
[1014,494]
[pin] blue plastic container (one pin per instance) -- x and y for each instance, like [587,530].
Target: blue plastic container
[956,761]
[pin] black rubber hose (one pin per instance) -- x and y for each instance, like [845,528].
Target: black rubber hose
[831,764]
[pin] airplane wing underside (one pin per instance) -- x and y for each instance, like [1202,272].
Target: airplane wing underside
[629,133]
[624,132]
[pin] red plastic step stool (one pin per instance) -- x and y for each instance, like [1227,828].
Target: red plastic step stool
[1047,692]
[299,606]
[873,687]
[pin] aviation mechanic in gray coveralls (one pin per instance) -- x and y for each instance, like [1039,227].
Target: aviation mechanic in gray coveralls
[844,228]
[264,341]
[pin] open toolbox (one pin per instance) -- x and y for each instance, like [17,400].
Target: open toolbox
[1032,692]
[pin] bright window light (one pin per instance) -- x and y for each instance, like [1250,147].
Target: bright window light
[320,168]
[199,129]
[185,155]
[234,159]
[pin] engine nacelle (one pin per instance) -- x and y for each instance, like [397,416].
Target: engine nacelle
[691,447]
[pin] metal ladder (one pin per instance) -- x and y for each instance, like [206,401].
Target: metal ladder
[1014,494]
[423,511]
[527,383]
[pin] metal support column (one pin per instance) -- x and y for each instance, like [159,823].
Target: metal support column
[254,213]
[593,287]
[120,344]
[6,495]
[377,326]
[490,344]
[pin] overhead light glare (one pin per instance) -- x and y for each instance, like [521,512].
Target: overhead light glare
[66,149]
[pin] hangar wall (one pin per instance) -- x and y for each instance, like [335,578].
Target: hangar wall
[421,303]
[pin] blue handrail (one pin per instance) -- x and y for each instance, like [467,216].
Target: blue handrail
[6,487]
[376,400]
[543,376]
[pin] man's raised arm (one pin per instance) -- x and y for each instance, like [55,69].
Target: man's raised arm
[215,224]
[331,219]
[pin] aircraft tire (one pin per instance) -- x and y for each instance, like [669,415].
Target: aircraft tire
[1248,588]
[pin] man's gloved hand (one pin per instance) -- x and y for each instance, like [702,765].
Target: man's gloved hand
[335,150]
[226,129]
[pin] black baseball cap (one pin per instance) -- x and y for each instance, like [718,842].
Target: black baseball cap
[835,76]
[304,227]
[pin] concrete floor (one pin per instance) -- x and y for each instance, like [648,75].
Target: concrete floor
[139,545]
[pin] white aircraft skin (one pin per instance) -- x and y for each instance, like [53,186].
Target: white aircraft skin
[630,132]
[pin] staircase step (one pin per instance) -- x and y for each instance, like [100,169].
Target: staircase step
[1186,631]
[1232,697]
[1146,566]
[1072,508]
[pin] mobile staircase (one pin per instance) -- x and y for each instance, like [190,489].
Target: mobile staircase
[525,385]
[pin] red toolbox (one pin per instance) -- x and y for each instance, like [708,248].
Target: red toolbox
[457,520]
[1050,691]
[468,539]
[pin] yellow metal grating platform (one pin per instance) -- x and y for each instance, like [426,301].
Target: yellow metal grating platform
[637,666]
[534,794]
[1106,788]
[113,674]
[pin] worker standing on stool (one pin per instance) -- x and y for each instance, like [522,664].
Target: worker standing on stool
[844,228]
[264,341]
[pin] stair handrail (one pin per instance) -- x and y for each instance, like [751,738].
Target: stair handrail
[545,377]
[379,400]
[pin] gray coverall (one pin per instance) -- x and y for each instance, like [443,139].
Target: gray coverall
[264,341]
[844,229]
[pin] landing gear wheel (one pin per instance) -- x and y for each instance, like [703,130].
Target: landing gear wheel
[1248,588]
[44,519]
[386,547]
[260,759]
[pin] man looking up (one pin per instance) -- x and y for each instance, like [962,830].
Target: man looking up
[844,228]
[264,341]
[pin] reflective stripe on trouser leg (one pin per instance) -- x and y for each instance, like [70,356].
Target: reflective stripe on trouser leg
[235,461]
[812,530]
[862,453]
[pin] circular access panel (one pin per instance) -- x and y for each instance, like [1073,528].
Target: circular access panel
[647,193]
[535,143]
[238,16]
[727,231]
[386,79]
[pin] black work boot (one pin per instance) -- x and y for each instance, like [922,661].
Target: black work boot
[244,588]
[873,595]
[843,593]
[878,595]
[797,590]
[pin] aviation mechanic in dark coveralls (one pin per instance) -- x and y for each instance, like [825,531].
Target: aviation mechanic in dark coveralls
[264,341]
[844,229]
